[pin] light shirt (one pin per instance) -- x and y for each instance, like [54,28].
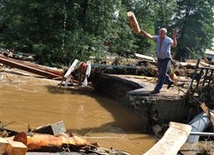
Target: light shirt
[164,51]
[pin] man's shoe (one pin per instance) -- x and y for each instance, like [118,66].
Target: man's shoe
[154,92]
[170,84]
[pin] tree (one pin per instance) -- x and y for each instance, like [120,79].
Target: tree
[143,10]
[194,21]
[60,31]
[32,26]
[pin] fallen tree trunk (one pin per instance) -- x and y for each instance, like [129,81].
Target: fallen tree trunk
[45,142]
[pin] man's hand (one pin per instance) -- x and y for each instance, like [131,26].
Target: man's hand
[174,34]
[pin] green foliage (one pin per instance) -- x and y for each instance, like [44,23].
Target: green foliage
[82,45]
[60,31]
[196,29]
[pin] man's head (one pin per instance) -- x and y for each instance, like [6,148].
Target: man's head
[162,32]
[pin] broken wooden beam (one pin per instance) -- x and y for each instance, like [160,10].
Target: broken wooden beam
[133,22]
[46,142]
[3,145]
[144,57]
[208,112]
[16,148]
[33,68]
[172,140]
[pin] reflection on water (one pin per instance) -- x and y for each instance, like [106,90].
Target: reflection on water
[35,101]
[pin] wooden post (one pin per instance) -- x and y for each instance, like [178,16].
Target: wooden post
[172,140]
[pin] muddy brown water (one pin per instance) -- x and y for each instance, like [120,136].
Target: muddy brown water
[29,100]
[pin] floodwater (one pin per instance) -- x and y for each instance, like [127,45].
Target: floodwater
[28,100]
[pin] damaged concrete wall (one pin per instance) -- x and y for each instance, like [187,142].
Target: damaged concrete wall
[159,109]
[154,109]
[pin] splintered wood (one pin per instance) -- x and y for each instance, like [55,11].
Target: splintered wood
[3,145]
[133,22]
[16,148]
[208,112]
[172,141]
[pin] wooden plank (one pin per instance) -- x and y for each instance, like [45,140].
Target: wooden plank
[145,57]
[16,148]
[172,140]
[3,145]
[208,112]
[73,66]
[30,68]
[133,22]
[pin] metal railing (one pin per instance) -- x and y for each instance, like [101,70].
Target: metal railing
[203,76]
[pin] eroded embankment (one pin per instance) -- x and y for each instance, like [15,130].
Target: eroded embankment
[133,91]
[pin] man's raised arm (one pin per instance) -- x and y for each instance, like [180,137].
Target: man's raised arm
[147,35]
[174,35]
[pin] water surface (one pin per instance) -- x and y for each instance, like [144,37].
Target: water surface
[28,100]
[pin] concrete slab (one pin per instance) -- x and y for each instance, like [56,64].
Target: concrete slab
[147,84]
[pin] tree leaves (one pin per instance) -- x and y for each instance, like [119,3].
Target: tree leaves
[60,31]
[194,20]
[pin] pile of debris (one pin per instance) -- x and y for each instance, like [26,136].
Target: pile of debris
[49,138]
[20,56]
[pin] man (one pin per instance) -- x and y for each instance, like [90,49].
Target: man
[163,52]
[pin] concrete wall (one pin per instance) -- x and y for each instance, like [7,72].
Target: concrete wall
[154,109]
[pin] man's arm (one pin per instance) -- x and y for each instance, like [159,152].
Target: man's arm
[174,43]
[147,35]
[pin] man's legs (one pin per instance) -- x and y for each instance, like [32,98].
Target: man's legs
[168,80]
[163,66]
